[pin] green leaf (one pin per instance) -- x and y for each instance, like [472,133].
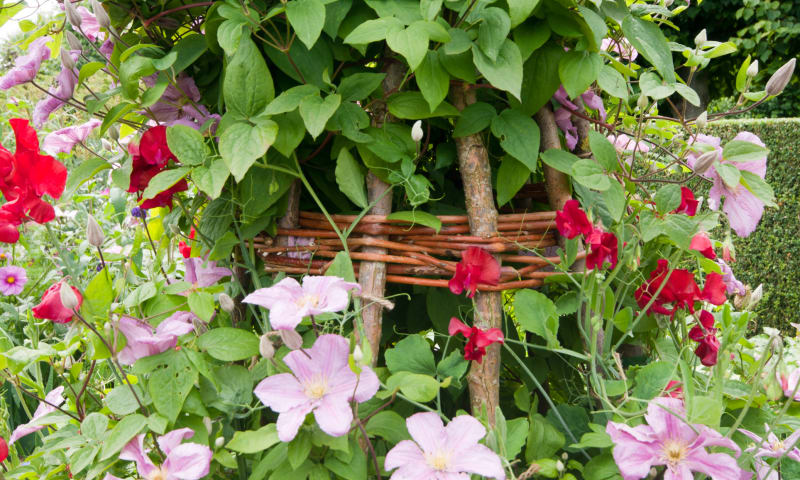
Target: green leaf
[596,23]
[433,80]
[544,440]
[88,70]
[429,9]
[519,136]
[559,159]
[254,441]
[164,181]
[459,42]
[668,198]
[688,93]
[614,199]
[242,143]
[374,30]
[130,71]
[730,175]
[229,344]
[537,314]
[578,70]
[202,304]
[412,106]
[612,82]
[248,86]
[169,386]
[742,151]
[123,432]
[520,10]
[290,99]
[188,50]
[505,72]
[187,144]
[350,178]
[511,176]
[604,152]
[411,354]
[417,387]
[540,77]
[648,39]
[411,43]
[741,75]
[435,31]
[388,425]
[359,86]
[493,30]
[705,410]
[652,379]
[417,217]
[342,266]
[530,36]
[474,118]
[652,86]
[115,113]
[316,112]
[459,65]
[210,180]
[591,175]
[299,448]
[307,18]
[758,187]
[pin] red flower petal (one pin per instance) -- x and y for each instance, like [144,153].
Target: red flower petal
[701,243]
[457,326]
[571,221]
[688,203]
[714,289]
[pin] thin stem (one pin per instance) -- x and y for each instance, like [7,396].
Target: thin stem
[155,252]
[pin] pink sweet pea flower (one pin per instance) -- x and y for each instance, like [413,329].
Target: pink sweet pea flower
[184,461]
[443,453]
[321,382]
[289,303]
[12,280]
[572,221]
[66,80]
[701,243]
[53,399]
[202,273]
[27,66]
[143,342]
[667,439]
[477,339]
[64,140]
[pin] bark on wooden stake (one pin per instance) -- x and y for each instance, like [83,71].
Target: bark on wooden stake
[473,162]
[372,275]
[556,183]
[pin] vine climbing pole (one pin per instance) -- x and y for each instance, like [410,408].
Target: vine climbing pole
[473,163]
[372,275]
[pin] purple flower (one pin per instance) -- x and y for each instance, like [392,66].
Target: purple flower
[179,105]
[203,276]
[64,140]
[59,94]
[288,302]
[143,342]
[89,25]
[107,48]
[184,461]
[12,280]
[443,453]
[321,382]
[563,115]
[771,447]
[54,397]
[731,283]
[27,66]
[744,210]
[623,48]
[138,212]
[669,440]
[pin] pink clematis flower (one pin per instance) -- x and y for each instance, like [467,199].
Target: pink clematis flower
[563,115]
[27,66]
[289,303]
[625,145]
[669,440]
[181,105]
[89,24]
[185,461]
[771,447]
[321,382]
[64,140]
[54,399]
[621,47]
[202,273]
[143,342]
[443,453]
[59,94]
[732,285]
[789,383]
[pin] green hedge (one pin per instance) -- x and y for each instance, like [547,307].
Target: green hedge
[771,254]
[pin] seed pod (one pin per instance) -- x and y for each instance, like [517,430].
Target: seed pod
[94,234]
[780,78]
[416,131]
[752,70]
[68,298]
[705,161]
[701,38]
[226,302]
[101,15]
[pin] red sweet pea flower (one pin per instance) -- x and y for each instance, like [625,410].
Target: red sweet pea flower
[150,158]
[50,307]
[714,290]
[185,248]
[603,247]
[705,335]
[674,389]
[571,221]
[476,266]
[702,244]
[153,147]
[3,449]
[477,339]
[680,290]
[688,203]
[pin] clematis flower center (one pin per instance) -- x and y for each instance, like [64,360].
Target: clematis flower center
[307,301]
[777,446]
[158,474]
[316,388]
[674,452]
[438,460]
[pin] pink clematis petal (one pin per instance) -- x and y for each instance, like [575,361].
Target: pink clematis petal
[174,438]
[334,415]
[479,459]
[135,451]
[188,461]
[281,392]
[289,421]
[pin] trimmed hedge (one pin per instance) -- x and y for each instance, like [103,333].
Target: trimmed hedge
[771,254]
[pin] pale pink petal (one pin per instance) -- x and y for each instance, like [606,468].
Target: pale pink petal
[135,452]
[289,421]
[404,453]
[204,273]
[666,415]
[368,385]
[281,392]
[681,472]
[64,140]
[743,209]
[188,461]
[304,368]
[287,290]
[177,324]
[286,316]
[174,438]
[633,457]
[427,430]
[22,431]
[111,477]
[619,432]
[478,459]
[331,291]
[711,438]
[715,465]
[334,416]
[463,432]
[759,167]
[27,66]
[330,353]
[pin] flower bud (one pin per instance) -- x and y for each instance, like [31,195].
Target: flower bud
[642,103]
[113,132]
[564,456]
[358,354]
[68,298]
[72,40]
[752,70]
[226,302]
[705,161]
[778,81]
[291,339]
[72,14]
[702,120]
[207,422]
[756,296]
[94,234]
[106,144]
[101,15]
[416,131]
[219,442]
[701,38]
[559,466]
[67,60]
[265,347]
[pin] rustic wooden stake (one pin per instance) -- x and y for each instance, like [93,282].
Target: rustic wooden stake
[476,174]
[556,183]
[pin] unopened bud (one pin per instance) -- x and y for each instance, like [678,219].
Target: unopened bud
[68,298]
[207,423]
[265,347]
[226,302]
[67,61]
[705,161]
[291,339]
[752,70]
[72,15]
[701,38]
[778,81]
[106,144]
[358,354]
[176,230]
[416,131]
[653,472]
[756,296]
[72,41]
[564,456]
[702,120]
[642,103]
[219,442]
[113,132]
[559,465]
[101,15]
[94,234]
